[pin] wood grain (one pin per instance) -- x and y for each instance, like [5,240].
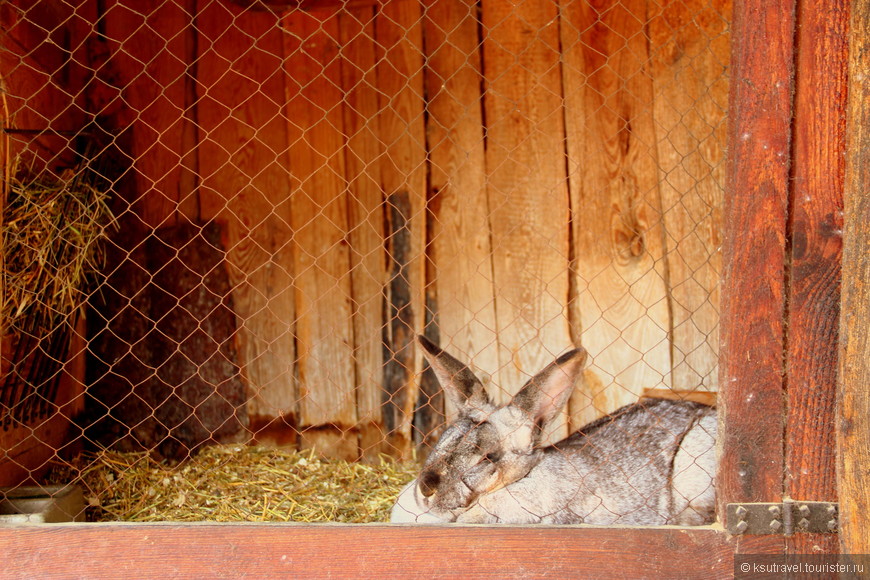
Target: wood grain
[620,303]
[398,31]
[381,551]
[853,397]
[149,52]
[319,219]
[460,212]
[527,191]
[365,200]
[245,184]
[816,225]
[751,399]
[690,52]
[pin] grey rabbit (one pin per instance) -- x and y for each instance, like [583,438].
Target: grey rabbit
[649,463]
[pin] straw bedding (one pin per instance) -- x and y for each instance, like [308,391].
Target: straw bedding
[237,483]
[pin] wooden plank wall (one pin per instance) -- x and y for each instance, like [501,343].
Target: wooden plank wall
[563,163]
[42,63]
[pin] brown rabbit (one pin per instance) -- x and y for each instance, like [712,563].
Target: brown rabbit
[649,463]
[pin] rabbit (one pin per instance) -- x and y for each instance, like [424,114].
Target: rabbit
[649,463]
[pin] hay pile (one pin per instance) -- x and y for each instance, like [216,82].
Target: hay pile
[52,230]
[237,483]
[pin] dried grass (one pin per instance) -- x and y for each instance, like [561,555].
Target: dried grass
[52,227]
[238,483]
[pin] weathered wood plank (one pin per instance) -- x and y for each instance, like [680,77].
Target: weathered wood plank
[40,81]
[398,31]
[148,51]
[620,301]
[319,219]
[246,186]
[460,211]
[816,224]
[366,220]
[690,51]
[751,399]
[853,398]
[264,551]
[526,190]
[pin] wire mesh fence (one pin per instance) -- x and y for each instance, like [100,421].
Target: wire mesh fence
[272,201]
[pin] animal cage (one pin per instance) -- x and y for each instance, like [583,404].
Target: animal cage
[226,221]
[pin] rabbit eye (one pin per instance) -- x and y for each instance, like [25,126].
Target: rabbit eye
[493,457]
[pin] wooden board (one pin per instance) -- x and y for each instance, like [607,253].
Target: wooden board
[246,186]
[398,33]
[816,225]
[319,219]
[380,551]
[690,52]
[526,191]
[619,297]
[150,51]
[40,80]
[363,151]
[751,399]
[27,451]
[853,397]
[460,230]
[195,392]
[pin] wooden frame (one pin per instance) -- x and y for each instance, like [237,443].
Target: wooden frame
[780,319]
[381,551]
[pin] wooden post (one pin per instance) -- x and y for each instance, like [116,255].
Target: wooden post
[853,401]
[815,226]
[751,400]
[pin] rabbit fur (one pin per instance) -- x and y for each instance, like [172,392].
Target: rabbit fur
[649,463]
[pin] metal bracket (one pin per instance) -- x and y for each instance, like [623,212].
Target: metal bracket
[787,518]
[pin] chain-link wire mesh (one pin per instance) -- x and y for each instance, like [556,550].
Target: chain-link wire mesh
[226,222]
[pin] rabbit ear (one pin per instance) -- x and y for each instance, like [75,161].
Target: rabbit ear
[464,389]
[548,391]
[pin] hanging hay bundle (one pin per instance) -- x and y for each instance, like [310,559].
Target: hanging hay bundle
[52,227]
[237,483]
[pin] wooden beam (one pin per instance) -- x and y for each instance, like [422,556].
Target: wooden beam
[751,400]
[853,399]
[815,232]
[378,551]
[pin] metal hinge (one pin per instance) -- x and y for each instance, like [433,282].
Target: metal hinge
[787,518]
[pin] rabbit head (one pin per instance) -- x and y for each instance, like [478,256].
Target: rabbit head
[489,446]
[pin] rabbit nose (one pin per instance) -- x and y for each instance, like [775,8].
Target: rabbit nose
[429,481]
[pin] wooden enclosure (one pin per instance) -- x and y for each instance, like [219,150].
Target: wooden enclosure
[509,186]
[509,179]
